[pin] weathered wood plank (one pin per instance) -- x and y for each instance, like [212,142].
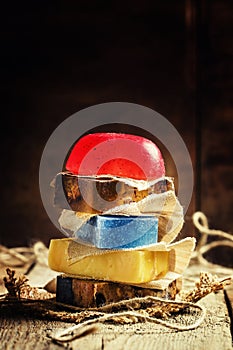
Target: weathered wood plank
[229,302]
[213,333]
[26,334]
[229,294]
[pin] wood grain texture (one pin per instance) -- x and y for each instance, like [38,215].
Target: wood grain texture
[214,333]
[216,113]
[229,302]
[92,60]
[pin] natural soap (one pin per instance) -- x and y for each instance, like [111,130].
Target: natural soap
[118,154]
[119,231]
[97,194]
[122,266]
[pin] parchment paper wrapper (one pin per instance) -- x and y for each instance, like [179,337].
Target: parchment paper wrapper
[165,206]
[78,196]
[98,194]
[179,258]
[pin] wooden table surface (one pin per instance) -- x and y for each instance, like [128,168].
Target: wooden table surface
[28,333]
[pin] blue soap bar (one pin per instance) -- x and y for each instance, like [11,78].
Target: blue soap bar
[119,231]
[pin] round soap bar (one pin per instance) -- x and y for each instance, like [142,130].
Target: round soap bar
[116,154]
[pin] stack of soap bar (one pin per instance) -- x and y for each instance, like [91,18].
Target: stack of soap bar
[122,266]
[119,232]
[102,172]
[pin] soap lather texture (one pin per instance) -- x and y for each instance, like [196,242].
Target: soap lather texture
[119,231]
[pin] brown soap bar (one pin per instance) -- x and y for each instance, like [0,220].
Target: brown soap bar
[96,195]
[89,293]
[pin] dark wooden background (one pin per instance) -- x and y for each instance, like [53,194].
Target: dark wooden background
[58,57]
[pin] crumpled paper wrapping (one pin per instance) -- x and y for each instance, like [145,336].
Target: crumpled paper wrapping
[163,204]
[179,256]
[97,194]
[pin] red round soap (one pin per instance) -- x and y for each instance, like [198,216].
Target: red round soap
[116,154]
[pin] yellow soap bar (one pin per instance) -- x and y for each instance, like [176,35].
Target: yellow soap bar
[122,266]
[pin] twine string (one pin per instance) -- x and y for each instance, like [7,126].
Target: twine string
[38,253]
[73,332]
[200,221]
[23,256]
